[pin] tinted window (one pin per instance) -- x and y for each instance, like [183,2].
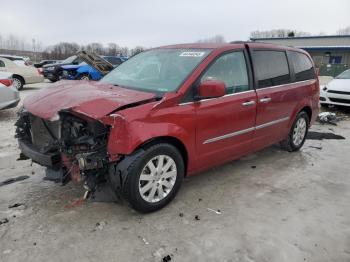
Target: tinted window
[271,68]
[303,68]
[2,64]
[232,70]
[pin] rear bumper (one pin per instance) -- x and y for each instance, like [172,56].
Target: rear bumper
[45,159]
[10,104]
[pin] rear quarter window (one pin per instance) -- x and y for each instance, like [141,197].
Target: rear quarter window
[271,68]
[303,68]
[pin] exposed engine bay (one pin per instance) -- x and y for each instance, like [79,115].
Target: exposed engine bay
[71,148]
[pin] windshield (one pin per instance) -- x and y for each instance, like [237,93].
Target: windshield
[69,59]
[344,75]
[158,70]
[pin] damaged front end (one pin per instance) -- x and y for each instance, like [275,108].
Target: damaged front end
[71,148]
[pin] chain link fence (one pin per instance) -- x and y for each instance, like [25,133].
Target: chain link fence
[332,69]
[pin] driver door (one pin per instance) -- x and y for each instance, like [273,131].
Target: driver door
[225,125]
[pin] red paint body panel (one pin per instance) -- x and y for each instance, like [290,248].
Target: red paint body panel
[219,117]
[194,124]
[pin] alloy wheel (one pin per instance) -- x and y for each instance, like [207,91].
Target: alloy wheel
[299,131]
[157,178]
[16,83]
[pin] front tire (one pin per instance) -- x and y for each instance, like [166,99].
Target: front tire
[154,178]
[298,132]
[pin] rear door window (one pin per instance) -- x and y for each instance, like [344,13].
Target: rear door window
[303,67]
[271,68]
[2,64]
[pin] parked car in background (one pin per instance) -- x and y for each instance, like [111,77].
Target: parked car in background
[337,91]
[21,74]
[83,71]
[9,96]
[19,60]
[168,113]
[45,62]
[54,71]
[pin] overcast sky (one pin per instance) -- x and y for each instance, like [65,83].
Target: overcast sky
[152,23]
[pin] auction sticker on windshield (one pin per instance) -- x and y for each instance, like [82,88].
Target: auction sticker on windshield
[192,54]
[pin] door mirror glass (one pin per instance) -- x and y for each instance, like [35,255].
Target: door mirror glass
[211,89]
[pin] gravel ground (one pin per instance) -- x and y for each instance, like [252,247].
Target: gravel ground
[273,206]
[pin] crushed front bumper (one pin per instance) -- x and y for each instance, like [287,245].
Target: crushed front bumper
[44,159]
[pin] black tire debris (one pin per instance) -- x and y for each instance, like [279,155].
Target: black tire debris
[4,221]
[166,258]
[13,180]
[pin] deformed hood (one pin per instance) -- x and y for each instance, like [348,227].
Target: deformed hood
[93,99]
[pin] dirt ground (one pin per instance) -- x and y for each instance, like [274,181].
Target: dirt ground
[273,206]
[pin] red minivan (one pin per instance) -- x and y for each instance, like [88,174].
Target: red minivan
[168,113]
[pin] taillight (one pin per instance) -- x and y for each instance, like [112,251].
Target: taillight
[40,71]
[6,82]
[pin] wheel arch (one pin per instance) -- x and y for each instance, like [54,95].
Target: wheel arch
[308,111]
[20,77]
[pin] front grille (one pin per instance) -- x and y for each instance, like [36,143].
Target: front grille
[338,100]
[322,98]
[339,92]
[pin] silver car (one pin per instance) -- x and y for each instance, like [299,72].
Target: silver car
[9,95]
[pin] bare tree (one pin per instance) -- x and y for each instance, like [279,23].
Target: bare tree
[213,39]
[277,33]
[344,31]
[136,50]
[112,49]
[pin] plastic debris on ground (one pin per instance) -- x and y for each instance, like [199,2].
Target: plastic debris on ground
[328,118]
[4,221]
[218,212]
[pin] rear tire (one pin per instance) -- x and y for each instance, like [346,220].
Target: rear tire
[298,133]
[154,178]
[18,82]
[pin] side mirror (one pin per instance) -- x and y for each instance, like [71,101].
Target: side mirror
[211,89]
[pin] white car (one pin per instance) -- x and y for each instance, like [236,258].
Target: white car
[9,96]
[21,74]
[337,91]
